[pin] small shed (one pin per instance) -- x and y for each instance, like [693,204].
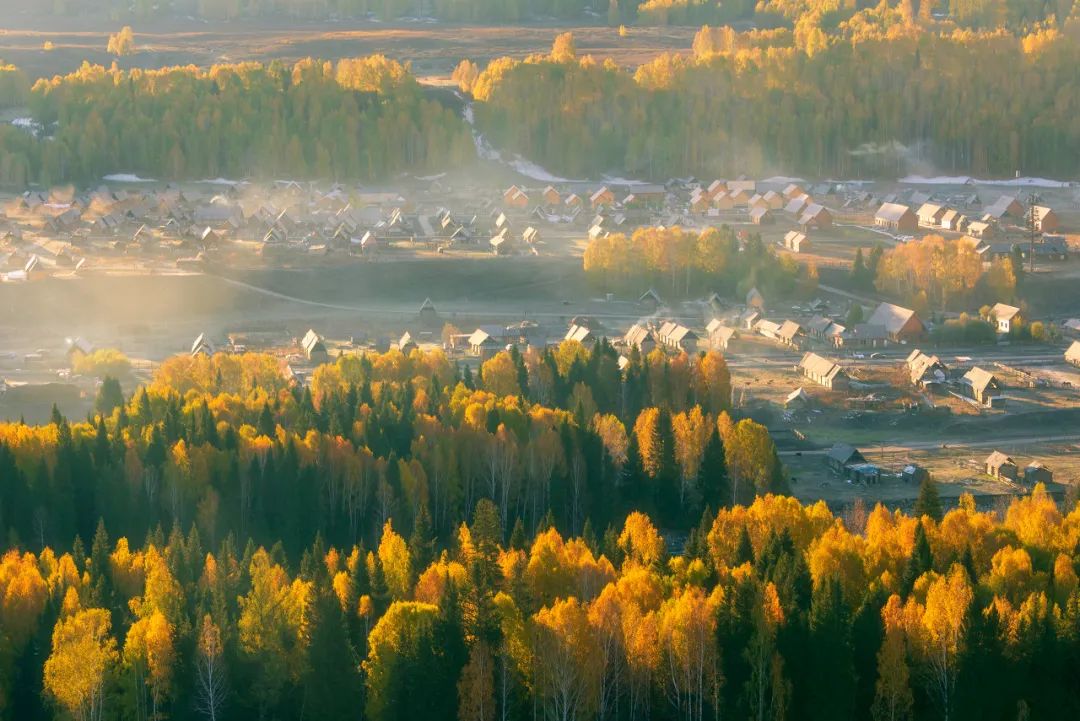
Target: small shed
[1036,472]
[797,398]
[1000,466]
[427,310]
[842,455]
[650,299]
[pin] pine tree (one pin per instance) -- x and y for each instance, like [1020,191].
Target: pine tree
[921,561]
[715,486]
[266,425]
[422,540]
[331,682]
[928,502]
[517,536]
[109,396]
[745,551]
[831,670]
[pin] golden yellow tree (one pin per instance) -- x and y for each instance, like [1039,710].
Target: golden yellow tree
[565,649]
[893,699]
[939,631]
[83,655]
[688,639]
[396,563]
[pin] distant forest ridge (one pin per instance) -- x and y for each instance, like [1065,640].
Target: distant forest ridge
[879,95]
[983,14]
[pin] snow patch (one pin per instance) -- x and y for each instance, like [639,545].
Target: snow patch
[968,180]
[782,180]
[219,181]
[127,178]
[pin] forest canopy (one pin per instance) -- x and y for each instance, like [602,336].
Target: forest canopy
[405,540]
[358,118]
[866,98]
[877,94]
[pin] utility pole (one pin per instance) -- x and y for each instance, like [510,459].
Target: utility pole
[1033,198]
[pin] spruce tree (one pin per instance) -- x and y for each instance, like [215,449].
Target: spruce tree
[921,561]
[929,502]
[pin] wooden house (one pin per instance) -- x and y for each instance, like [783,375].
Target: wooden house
[641,338]
[823,371]
[842,455]
[720,336]
[1072,355]
[723,201]
[1037,472]
[1046,220]
[314,347]
[981,229]
[795,205]
[980,385]
[1004,317]
[677,337]
[1000,466]
[1006,206]
[815,215]
[899,323]
[924,369]
[602,197]
[761,216]
[930,215]
[896,217]
[792,190]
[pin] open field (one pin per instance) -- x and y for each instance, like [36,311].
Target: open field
[957,470]
[433,49]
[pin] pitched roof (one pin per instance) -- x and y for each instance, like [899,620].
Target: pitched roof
[480,337]
[789,329]
[680,333]
[869,331]
[1041,211]
[979,379]
[929,210]
[819,324]
[637,335]
[1001,311]
[797,395]
[311,341]
[1002,206]
[892,211]
[1073,352]
[845,453]
[579,333]
[997,459]
[893,317]
[919,364]
[819,366]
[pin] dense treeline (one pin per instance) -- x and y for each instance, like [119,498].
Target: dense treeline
[324,562]
[361,118]
[225,444]
[775,611]
[862,99]
[684,262]
[934,273]
[224,447]
[869,96]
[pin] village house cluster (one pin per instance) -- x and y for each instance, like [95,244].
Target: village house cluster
[997,230]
